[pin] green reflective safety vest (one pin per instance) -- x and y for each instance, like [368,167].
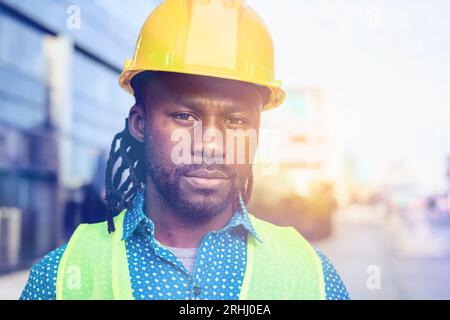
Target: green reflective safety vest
[283,266]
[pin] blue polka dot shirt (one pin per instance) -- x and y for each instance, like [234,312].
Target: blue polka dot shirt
[156,273]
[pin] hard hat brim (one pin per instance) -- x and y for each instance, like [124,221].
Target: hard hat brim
[277,94]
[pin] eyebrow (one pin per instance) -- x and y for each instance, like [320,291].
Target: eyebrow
[194,102]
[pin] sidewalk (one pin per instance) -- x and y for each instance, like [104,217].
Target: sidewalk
[11,285]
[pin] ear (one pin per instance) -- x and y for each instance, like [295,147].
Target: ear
[136,122]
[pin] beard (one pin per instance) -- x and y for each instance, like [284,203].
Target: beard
[198,206]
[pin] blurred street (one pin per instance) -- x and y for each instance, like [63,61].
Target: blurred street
[413,264]
[11,285]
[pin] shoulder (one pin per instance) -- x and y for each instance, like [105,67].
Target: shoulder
[271,231]
[41,284]
[334,286]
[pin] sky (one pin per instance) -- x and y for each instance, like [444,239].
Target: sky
[384,68]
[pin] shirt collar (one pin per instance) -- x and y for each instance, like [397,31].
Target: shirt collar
[136,220]
[135,216]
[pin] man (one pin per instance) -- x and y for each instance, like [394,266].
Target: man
[178,227]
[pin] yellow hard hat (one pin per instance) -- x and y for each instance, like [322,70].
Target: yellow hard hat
[217,38]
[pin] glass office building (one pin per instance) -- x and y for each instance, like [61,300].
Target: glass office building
[60,106]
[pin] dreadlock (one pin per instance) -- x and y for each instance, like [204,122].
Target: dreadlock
[127,156]
[125,169]
[247,188]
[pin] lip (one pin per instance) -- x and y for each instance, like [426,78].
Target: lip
[204,179]
[206,174]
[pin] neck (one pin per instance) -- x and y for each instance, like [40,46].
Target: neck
[175,230]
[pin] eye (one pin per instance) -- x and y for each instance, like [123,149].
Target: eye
[184,116]
[235,121]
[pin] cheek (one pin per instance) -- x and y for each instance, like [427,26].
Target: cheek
[159,142]
[241,172]
[243,149]
[252,146]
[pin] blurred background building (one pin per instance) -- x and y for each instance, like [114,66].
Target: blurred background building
[363,168]
[60,106]
[300,191]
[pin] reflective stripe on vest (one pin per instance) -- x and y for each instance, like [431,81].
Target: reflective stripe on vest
[284,266]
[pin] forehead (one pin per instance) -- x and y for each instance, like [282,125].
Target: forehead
[188,89]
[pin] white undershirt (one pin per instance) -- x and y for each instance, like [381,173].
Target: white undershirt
[187,256]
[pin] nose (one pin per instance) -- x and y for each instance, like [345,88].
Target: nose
[208,143]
